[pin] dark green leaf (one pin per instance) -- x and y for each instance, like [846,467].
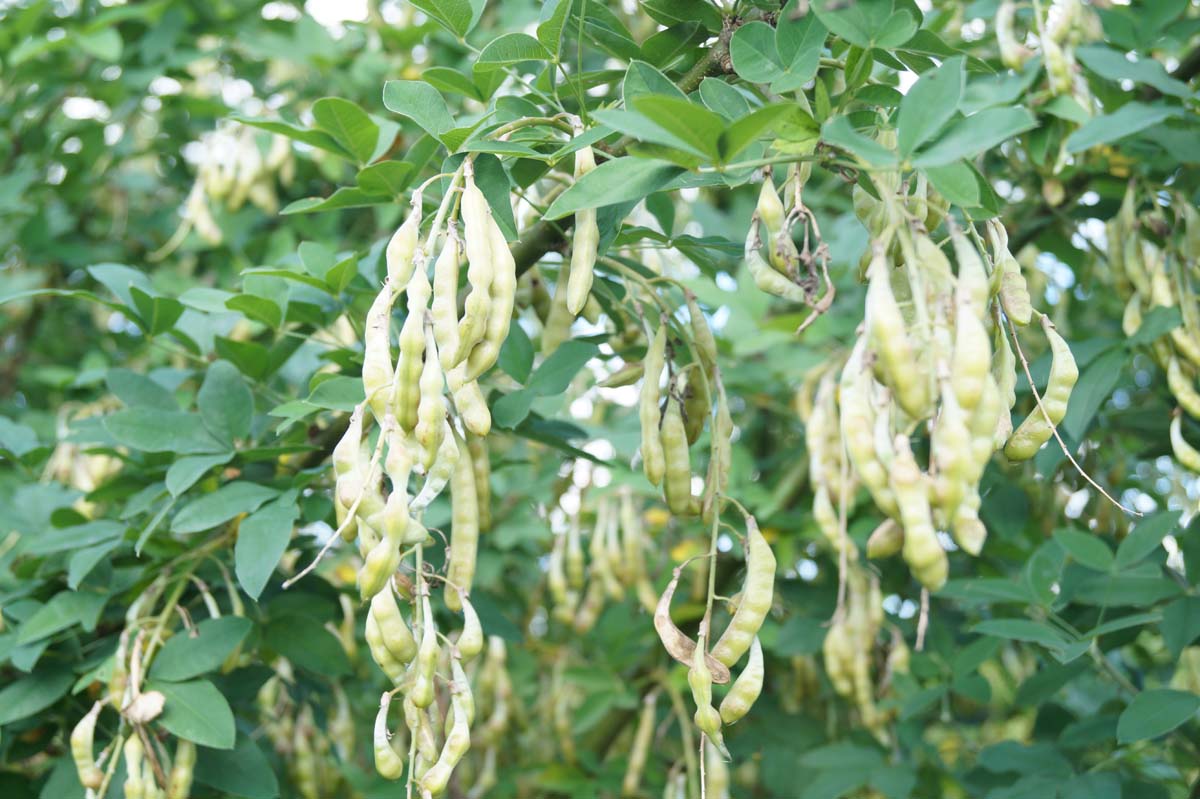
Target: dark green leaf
[1146,537]
[615,181]
[29,695]
[1155,712]
[225,402]
[557,371]
[975,134]
[1086,549]
[840,132]
[510,49]
[930,104]
[754,53]
[262,539]
[183,473]
[64,610]
[152,430]
[421,103]
[196,711]
[191,653]
[305,642]
[137,390]
[456,16]
[348,124]
[1127,120]
[243,771]
[516,354]
[220,506]
[1181,624]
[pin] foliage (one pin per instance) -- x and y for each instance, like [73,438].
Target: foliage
[195,203]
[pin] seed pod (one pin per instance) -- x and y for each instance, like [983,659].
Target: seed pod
[766,278]
[702,335]
[886,540]
[381,563]
[857,421]
[500,311]
[700,679]
[971,290]
[412,351]
[678,645]
[395,633]
[82,739]
[118,681]
[469,401]
[440,472]
[403,246]
[136,786]
[921,549]
[557,325]
[677,477]
[1185,453]
[377,374]
[422,691]
[458,741]
[969,532]
[464,530]
[589,609]
[444,309]
[697,404]
[746,688]
[1012,53]
[716,774]
[383,657]
[758,591]
[1037,428]
[584,242]
[1183,387]
[653,457]
[950,449]
[388,762]
[716,482]
[639,750]
[476,217]
[431,408]
[470,640]
[481,463]
[179,783]
[897,364]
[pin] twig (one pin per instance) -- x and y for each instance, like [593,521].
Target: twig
[923,620]
[1054,428]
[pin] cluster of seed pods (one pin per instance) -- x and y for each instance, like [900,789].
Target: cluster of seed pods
[432,422]
[579,585]
[301,742]
[232,170]
[1058,32]
[932,354]
[1153,276]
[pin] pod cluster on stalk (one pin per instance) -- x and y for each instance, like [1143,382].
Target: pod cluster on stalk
[850,651]
[1152,276]
[776,264]
[1062,27]
[232,169]
[931,357]
[432,421]
[580,584]
[305,745]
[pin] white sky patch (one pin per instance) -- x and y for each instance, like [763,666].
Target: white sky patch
[85,108]
[906,80]
[332,13]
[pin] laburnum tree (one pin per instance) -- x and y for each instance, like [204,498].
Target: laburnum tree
[590,399]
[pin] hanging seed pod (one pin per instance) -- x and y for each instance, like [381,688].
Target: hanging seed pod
[464,530]
[583,243]
[403,246]
[82,739]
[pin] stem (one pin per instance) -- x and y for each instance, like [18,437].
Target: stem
[685,729]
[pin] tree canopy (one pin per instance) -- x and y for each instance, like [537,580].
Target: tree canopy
[580,399]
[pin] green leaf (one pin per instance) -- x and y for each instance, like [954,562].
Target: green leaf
[349,125]
[184,472]
[243,771]
[105,44]
[1086,549]
[551,22]
[337,393]
[557,371]
[1095,385]
[138,391]
[1181,624]
[742,133]
[798,42]
[225,402]
[839,132]
[152,430]
[1155,324]
[220,506]
[755,54]
[511,409]
[27,696]
[196,711]
[260,309]
[389,178]
[1022,630]
[159,313]
[48,542]
[304,641]
[1113,65]
[1155,712]
[1127,120]
[516,354]
[975,134]
[727,101]
[930,104]
[345,197]
[643,79]
[1146,537]
[510,49]
[456,16]
[191,653]
[870,23]
[312,137]
[64,610]
[421,103]
[689,122]
[262,539]
[616,181]
[1137,590]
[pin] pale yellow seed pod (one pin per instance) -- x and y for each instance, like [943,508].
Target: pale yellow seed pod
[381,563]
[464,530]
[766,278]
[439,473]
[1183,387]
[422,691]
[469,401]
[700,679]
[971,289]
[396,635]
[476,217]
[1185,453]
[135,784]
[746,688]
[1038,427]
[500,311]
[481,462]
[444,309]
[716,774]
[558,319]
[382,656]
[583,243]
[677,476]
[179,782]
[377,373]
[431,406]
[1012,53]
[388,762]
[897,362]
[403,246]
[653,457]
[886,540]
[758,592]
[470,640]
[458,741]
[82,739]
[412,351]
[639,750]
[921,549]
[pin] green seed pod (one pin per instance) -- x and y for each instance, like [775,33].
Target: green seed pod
[1038,427]
[758,592]
[746,688]
[388,762]
[583,243]
[82,739]
[653,458]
